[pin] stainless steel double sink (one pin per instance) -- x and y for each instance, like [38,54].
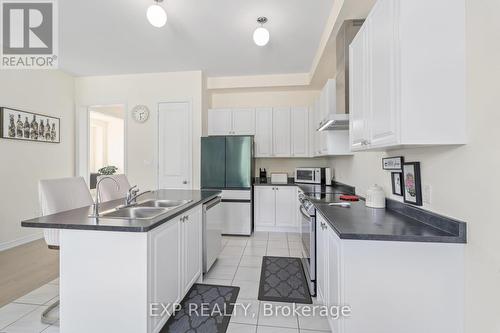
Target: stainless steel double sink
[145,210]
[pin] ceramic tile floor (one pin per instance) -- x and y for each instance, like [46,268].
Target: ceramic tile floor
[239,264]
[23,315]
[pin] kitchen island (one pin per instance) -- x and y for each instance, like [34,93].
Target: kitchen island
[115,272]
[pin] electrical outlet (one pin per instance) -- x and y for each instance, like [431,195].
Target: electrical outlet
[426,196]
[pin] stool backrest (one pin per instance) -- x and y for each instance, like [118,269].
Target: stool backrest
[108,187]
[57,195]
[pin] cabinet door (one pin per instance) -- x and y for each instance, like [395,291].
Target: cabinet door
[265,207]
[281,132]
[321,253]
[381,27]
[243,122]
[286,197]
[333,273]
[219,122]
[316,134]
[263,132]
[358,91]
[192,242]
[165,268]
[300,132]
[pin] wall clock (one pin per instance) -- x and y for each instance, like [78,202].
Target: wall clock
[140,113]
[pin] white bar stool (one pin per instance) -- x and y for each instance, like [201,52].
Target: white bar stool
[57,195]
[109,191]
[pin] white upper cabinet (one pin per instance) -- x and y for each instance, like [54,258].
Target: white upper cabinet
[263,132]
[407,76]
[220,122]
[382,37]
[243,121]
[300,132]
[281,132]
[238,121]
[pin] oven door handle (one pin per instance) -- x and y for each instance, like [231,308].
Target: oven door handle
[307,216]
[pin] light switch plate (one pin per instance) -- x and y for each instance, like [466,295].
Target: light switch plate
[427,195]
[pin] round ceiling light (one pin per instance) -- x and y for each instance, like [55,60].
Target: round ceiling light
[156,15]
[261,34]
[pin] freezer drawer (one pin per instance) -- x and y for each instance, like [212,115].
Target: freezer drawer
[237,218]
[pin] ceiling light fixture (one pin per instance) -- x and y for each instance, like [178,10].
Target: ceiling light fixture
[156,14]
[261,34]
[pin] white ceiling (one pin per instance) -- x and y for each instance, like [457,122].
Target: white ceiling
[101,37]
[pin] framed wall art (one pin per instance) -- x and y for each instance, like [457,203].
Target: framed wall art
[393,163]
[397,183]
[412,183]
[28,126]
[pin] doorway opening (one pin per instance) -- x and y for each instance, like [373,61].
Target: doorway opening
[106,143]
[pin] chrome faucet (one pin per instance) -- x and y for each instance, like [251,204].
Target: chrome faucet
[133,194]
[95,207]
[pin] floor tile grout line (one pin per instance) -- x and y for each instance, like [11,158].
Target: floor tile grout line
[18,319]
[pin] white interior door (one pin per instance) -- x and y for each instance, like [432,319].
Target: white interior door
[174,144]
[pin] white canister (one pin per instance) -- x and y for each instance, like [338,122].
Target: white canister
[375,197]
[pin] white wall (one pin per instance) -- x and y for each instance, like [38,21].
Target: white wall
[24,163]
[465,180]
[147,89]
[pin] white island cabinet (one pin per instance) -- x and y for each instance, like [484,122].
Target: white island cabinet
[390,286]
[112,281]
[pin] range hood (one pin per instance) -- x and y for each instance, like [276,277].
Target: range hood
[340,119]
[336,121]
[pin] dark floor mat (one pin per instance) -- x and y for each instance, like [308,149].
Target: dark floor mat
[219,299]
[282,279]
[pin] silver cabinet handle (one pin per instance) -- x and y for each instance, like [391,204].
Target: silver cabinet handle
[187,217]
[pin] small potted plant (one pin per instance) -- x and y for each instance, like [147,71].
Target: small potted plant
[108,170]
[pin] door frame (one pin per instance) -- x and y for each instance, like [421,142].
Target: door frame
[82,139]
[189,103]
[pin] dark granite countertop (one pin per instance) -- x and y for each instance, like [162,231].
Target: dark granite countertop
[397,222]
[364,223]
[78,218]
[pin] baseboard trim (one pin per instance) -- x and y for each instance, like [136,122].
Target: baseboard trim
[277,229]
[20,241]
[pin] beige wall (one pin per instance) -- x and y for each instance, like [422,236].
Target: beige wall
[271,98]
[147,89]
[465,180]
[24,163]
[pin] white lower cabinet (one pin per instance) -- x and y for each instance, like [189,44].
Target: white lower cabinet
[165,266]
[175,261]
[390,286]
[275,208]
[191,249]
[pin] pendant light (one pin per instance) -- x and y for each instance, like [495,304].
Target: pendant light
[261,34]
[156,14]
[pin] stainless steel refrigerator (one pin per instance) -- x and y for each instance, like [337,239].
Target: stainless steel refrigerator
[227,164]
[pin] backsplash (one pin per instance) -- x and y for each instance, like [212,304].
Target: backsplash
[288,165]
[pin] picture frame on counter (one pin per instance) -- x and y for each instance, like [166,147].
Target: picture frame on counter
[412,183]
[29,126]
[397,183]
[393,163]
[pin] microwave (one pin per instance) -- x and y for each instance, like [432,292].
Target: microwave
[313,176]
